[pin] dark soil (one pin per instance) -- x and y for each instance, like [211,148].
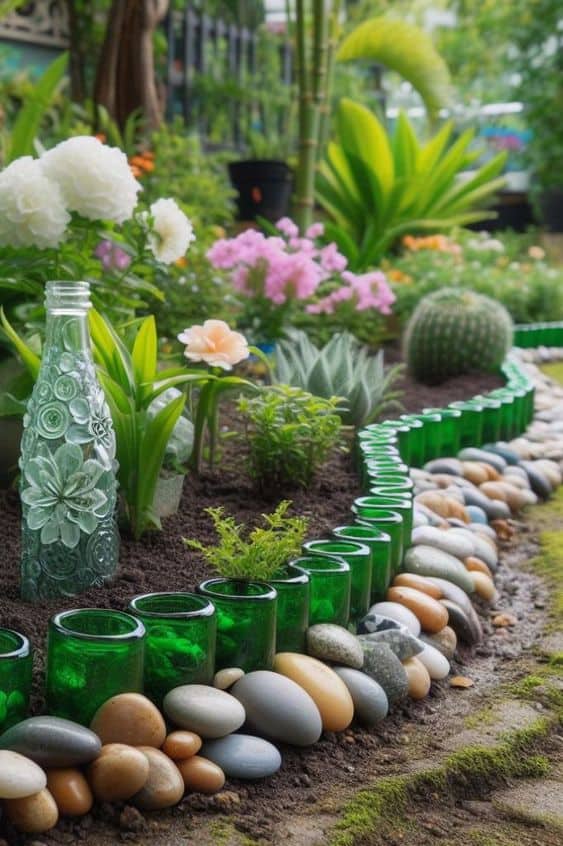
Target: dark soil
[161,562]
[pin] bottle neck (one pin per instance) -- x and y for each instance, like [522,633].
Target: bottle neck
[67,305]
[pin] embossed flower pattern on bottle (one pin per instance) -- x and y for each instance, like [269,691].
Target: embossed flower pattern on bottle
[68,485]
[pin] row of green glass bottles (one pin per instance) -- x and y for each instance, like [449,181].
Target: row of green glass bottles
[539,335]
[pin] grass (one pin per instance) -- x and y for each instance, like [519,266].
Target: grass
[469,771]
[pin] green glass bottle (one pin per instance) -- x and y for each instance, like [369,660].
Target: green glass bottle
[330,581]
[246,622]
[416,438]
[400,502]
[388,521]
[92,655]
[450,430]
[68,486]
[180,642]
[470,424]
[293,588]
[358,557]
[16,666]
[379,544]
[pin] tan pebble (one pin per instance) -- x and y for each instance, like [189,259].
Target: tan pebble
[419,678]
[443,480]
[503,530]
[19,777]
[432,615]
[492,474]
[181,744]
[474,472]
[201,775]
[435,502]
[164,786]
[484,586]
[445,641]
[501,621]
[420,583]
[129,718]
[226,678]
[326,689]
[516,481]
[461,682]
[475,565]
[515,497]
[458,510]
[494,490]
[118,772]
[71,791]
[33,814]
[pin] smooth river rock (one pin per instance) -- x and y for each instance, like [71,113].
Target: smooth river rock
[335,644]
[373,622]
[33,814]
[201,775]
[477,515]
[207,711]
[52,741]
[504,451]
[129,718]
[444,641]
[400,641]
[418,583]
[484,586]
[243,756]
[279,708]
[451,466]
[118,773]
[164,786]
[224,679]
[369,698]
[400,613]
[180,745]
[19,776]
[327,691]
[435,662]
[455,544]
[475,565]
[539,483]
[70,790]
[475,454]
[493,508]
[428,610]
[467,629]
[427,561]
[486,551]
[383,666]
[418,678]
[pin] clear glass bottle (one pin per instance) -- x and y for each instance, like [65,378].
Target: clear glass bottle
[68,486]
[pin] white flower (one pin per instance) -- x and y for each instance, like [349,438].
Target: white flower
[95,180]
[172,232]
[32,211]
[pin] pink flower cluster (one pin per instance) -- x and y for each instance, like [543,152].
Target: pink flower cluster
[111,256]
[292,268]
[365,291]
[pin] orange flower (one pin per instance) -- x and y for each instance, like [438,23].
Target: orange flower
[396,275]
[136,171]
[181,262]
[214,343]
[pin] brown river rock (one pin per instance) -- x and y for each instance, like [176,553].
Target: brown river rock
[421,583]
[118,773]
[419,678]
[164,786]
[484,586]
[201,775]
[432,615]
[180,745]
[326,689]
[475,565]
[70,790]
[33,814]
[475,472]
[129,718]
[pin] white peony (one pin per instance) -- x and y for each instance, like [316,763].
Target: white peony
[96,180]
[32,210]
[172,232]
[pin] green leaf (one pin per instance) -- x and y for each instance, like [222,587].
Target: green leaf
[144,353]
[30,116]
[405,49]
[31,361]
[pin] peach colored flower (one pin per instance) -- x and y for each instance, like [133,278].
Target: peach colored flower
[537,253]
[215,344]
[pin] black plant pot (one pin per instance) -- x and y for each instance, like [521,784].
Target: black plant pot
[264,188]
[551,208]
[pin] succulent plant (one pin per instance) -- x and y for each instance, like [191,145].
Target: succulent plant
[455,331]
[342,368]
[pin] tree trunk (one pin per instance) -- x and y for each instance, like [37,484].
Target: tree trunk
[77,63]
[125,79]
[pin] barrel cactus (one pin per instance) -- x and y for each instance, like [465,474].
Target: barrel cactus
[455,331]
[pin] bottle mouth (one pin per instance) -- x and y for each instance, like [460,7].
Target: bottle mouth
[67,297]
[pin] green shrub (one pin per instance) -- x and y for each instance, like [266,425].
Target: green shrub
[342,368]
[289,433]
[456,331]
[255,555]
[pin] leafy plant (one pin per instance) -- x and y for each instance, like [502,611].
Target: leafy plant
[289,434]
[255,555]
[342,368]
[405,49]
[456,331]
[378,187]
[131,382]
